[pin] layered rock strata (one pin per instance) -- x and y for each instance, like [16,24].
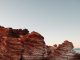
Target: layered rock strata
[19,44]
[16,44]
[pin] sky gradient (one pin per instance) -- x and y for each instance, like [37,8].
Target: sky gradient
[56,20]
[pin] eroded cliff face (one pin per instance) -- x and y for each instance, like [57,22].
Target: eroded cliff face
[19,44]
[16,44]
[34,47]
[60,52]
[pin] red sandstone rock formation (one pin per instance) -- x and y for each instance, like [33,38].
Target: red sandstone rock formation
[19,44]
[60,51]
[16,44]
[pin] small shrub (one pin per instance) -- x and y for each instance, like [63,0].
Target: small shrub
[12,33]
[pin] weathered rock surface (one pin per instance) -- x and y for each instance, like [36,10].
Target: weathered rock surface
[34,47]
[19,44]
[60,52]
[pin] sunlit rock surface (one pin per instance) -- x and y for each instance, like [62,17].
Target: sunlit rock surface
[60,52]
[34,47]
[19,44]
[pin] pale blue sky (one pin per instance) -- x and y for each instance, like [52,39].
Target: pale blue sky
[56,20]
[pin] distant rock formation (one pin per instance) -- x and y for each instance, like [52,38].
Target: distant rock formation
[65,47]
[19,44]
[59,52]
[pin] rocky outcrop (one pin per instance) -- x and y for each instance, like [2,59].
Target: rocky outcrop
[65,47]
[60,52]
[34,47]
[19,44]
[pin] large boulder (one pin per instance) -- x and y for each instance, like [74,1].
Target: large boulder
[34,47]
